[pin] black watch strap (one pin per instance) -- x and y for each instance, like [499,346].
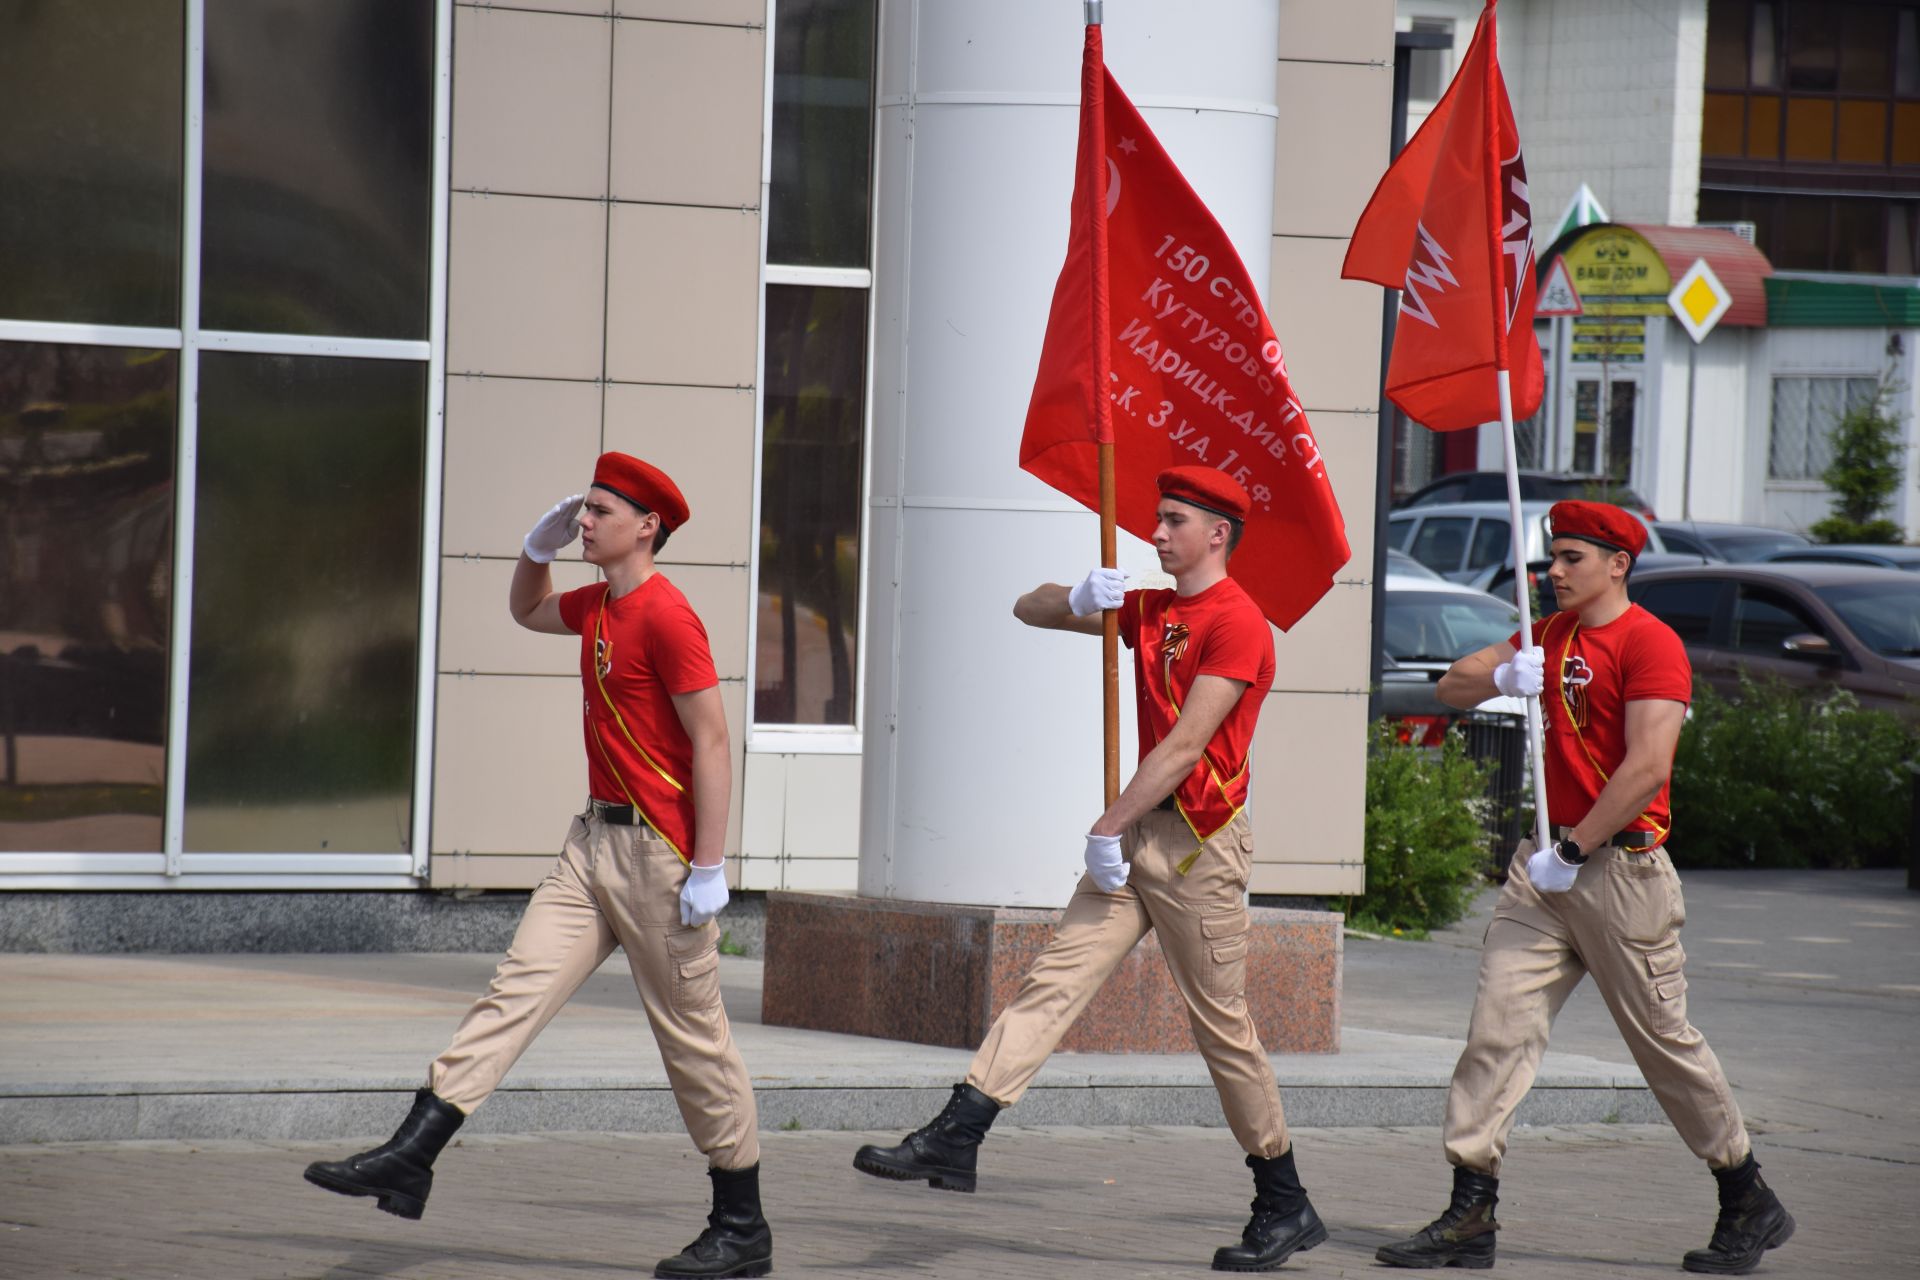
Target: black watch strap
[1570,853]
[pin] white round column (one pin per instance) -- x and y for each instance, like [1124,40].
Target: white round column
[982,742]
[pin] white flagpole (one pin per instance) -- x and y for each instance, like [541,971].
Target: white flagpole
[1523,596]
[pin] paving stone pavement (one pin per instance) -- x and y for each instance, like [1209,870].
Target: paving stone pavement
[1594,1202]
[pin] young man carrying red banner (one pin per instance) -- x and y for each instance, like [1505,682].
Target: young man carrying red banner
[1602,901]
[644,869]
[1171,854]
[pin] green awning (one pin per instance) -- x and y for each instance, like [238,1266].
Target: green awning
[1826,304]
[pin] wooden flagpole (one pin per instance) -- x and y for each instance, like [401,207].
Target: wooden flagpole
[1093,96]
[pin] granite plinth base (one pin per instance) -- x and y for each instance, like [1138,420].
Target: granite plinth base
[936,973]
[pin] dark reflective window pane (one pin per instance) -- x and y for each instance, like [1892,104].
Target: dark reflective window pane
[1866,49]
[809,602]
[822,132]
[91,120]
[306,603]
[319,148]
[86,593]
[1727,24]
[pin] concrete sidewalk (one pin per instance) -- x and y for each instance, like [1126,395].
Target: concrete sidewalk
[299,1047]
[1808,985]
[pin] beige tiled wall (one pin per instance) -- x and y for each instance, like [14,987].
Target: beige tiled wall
[602,293]
[1335,94]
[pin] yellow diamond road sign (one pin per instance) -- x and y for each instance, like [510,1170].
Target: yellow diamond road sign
[1699,300]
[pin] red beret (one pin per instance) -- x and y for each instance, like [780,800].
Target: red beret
[642,484]
[1599,522]
[1206,488]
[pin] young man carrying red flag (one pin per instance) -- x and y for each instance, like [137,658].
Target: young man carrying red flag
[1604,901]
[644,870]
[1172,854]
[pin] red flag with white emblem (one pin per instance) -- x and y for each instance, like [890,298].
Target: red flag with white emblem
[1451,228]
[1171,346]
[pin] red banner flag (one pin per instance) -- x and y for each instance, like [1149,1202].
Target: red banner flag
[1450,226]
[1193,372]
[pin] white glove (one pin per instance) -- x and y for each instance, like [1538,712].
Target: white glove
[1549,872]
[1524,675]
[1104,863]
[555,530]
[1101,589]
[704,895]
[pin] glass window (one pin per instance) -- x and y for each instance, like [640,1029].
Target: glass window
[1863,133]
[1866,49]
[1859,234]
[1441,543]
[92,99]
[1763,63]
[812,435]
[1428,69]
[1722,124]
[1906,133]
[1686,605]
[1727,22]
[1763,619]
[1885,616]
[1622,400]
[1491,538]
[306,604]
[1437,626]
[1812,48]
[86,595]
[1810,129]
[817,208]
[1799,235]
[318,166]
[1906,57]
[1398,531]
[1805,412]
[1763,127]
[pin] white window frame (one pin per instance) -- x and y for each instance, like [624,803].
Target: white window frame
[790,739]
[173,867]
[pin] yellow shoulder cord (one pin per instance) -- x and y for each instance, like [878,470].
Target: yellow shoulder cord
[599,680]
[1186,864]
[1566,704]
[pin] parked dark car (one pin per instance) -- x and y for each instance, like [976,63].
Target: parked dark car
[1906,559]
[1738,543]
[1426,625]
[1535,486]
[1545,602]
[1814,626]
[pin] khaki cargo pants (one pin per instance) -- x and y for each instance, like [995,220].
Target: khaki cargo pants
[1201,918]
[614,886]
[1620,923]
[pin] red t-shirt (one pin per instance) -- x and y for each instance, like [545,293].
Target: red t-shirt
[1592,673]
[651,646]
[1176,639]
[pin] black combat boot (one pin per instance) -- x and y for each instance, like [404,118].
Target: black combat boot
[1460,1237]
[399,1172]
[737,1241]
[943,1151]
[1283,1222]
[1752,1221]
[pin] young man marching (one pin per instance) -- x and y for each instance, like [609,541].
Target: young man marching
[1172,854]
[643,870]
[1614,683]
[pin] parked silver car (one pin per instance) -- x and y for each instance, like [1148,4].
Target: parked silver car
[1470,541]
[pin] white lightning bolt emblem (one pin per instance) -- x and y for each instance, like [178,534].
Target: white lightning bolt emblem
[1429,272]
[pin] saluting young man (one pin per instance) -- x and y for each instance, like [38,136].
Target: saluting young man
[1172,854]
[643,870]
[1614,683]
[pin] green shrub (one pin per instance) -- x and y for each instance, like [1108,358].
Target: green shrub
[1782,778]
[1425,840]
[1869,462]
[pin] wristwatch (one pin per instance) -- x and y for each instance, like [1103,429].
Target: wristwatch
[1569,853]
